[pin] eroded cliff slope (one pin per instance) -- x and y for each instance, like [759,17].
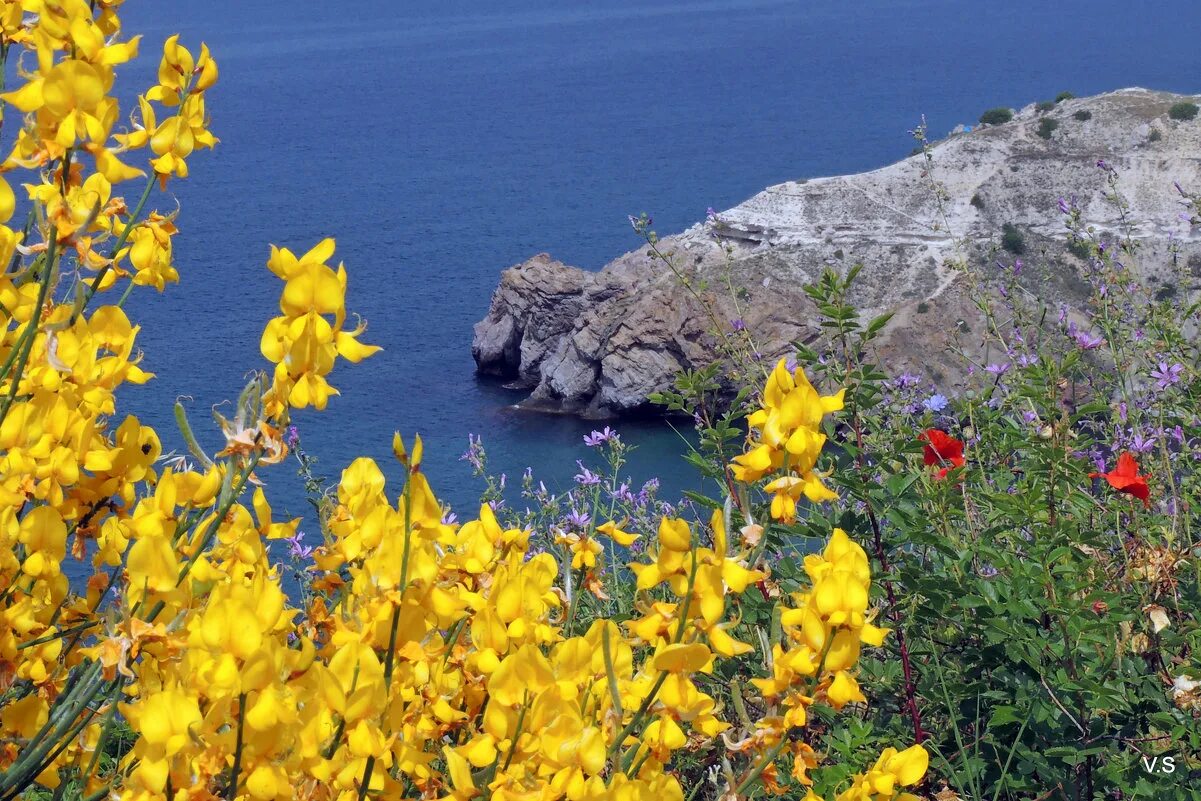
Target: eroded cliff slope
[600,343]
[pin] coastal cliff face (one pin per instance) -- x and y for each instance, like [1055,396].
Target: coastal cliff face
[600,343]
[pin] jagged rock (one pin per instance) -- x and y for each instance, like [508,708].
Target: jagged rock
[600,343]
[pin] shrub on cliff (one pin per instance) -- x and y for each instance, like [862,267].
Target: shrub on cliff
[1047,126]
[996,116]
[1183,111]
[1012,239]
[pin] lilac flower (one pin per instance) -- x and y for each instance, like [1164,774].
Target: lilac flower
[578,520]
[906,380]
[1178,434]
[291,436]
[935,403]
[1141,444]
[1167,374]
[597,438]
[1064,208]
[988,571]
[622,494]
[475,452]
[586,478]
[648,491]
[295,549]
[737,324]
[1103,164]
[496,505]
[1084,340]
[997,369]
[1122,411]
[449,518]
[711,214]
[790,364]
[1027,359]
[1017,266]
[1029,417]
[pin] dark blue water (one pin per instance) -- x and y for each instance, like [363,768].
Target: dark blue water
[441,142]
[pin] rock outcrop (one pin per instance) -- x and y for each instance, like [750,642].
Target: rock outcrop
[599,343]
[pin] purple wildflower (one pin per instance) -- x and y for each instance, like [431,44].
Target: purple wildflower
[578,520]
[291,436]
[475,452]
[597,438]
[935,403]
[1141,444]
[1166,375]
[586,478]
[297,550]
[997,369]
[622,494]
[737,324]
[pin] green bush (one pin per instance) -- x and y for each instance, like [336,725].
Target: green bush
[1047,126]
[1012,239]
[1183,111]
[1045,105]
[1084,115]
[996,116]
[1062,96]
[1155,135]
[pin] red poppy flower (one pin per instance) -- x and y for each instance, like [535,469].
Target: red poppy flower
[1125,478]
[942,449]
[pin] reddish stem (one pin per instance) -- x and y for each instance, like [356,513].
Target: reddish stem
[915,714]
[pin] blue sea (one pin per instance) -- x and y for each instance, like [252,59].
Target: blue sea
[442,142]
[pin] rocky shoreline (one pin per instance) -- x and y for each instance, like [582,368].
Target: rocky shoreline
[599,343]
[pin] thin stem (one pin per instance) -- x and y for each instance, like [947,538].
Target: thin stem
[231,792]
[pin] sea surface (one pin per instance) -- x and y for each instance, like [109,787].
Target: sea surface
[442,142]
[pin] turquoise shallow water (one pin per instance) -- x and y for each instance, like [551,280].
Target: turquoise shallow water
[442,142]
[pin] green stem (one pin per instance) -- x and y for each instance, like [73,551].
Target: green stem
[121,240]
[25,344]
[231,792]
[614,692]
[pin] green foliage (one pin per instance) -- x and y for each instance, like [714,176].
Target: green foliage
[977,201]
[1083,115]
[1155,135]
[1039,617]
[1183,111]
[996,116]
[1047,126]
[1012,239]
[1045,105]
[1062,96]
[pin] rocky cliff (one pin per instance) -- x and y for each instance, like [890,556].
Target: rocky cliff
[598,343]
